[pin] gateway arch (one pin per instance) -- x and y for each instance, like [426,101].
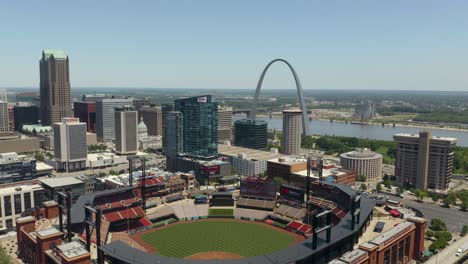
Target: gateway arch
[305,127]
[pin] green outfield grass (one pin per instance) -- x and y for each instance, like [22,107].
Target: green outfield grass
[242,238]
[220,212]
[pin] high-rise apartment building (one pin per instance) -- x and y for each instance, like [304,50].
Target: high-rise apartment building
[175,132]
[224,123]
[54,87]
[70,149]
[126,134]
[165,109]
[86,112]
[424,161]
[200,125]
[105,117]
[292,127]
[251,133]
[25,115]
[4,117]
[152,117]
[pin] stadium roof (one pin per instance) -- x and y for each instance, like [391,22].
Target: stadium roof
[300,251]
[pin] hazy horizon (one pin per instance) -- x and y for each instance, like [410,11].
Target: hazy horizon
[365,45]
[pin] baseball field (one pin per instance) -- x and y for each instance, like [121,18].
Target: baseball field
[205,239]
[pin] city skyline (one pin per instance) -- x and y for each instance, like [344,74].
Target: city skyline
[418,45]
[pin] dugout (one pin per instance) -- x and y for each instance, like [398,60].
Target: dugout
[222,199]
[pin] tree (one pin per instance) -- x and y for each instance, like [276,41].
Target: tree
[39,156]
[379,187]
[464,230]
[422,195]
[438,225]
[363,186]
[233,170]
[102,174]
[429,233]
[113,172]
[361,178]
[452,198]
[464,204]
[388,183]
[446,202]
[435,197]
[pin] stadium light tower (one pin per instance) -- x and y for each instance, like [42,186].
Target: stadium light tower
[305,128]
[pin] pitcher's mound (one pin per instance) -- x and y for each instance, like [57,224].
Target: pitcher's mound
[214,255]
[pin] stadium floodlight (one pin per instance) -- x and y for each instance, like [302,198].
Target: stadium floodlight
[64,204]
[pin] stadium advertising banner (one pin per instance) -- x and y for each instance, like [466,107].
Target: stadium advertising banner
[291,195]
[258,188]
[211,171]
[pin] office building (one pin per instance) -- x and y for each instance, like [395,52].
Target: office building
[138,103]
[19,144]
[292,127]
[224,123]
[11,117]
[283,167]
[401,244]
[15,200]
[4,116]
[364,162]
[105,117]
[15,168]
[86,112]
[126,138]
[175,133]
[93,97]
[424,161]
[200,127]
[251,134]
[248,161]
[54,87]
[25,115]
[165,108]
[70,145]
[152,116]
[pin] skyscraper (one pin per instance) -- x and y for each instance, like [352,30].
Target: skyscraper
[86,112]
[105,118]
[165,109]
[126,134]
[25,115]
[70,144]
[200,125]
[251,134]
[4,119]
[152,117]
[224,123]
[423,161]
[54,87]
[175,134]
[292,127]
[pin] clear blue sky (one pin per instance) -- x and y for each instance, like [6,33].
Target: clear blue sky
[417,44]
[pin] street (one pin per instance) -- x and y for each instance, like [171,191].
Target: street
[447,255]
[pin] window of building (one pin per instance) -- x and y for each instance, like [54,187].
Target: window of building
[407,245]
[27,201]
[400,251]
[394,254]
[387,256]
[7,202]
[18,209]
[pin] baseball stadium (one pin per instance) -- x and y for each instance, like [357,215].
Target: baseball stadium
[252,224]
